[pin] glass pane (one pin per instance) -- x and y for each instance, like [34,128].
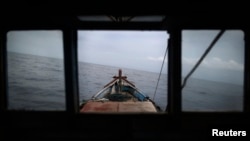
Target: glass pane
[139,55]
[217,84]
[35,70]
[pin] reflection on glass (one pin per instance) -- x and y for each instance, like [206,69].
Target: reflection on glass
[217,84]
[35,70]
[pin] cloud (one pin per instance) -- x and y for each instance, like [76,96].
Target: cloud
[160,58]
[215,63]
[190,61]
[221,64]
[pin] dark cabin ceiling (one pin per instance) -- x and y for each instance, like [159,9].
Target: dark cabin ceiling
[151,15]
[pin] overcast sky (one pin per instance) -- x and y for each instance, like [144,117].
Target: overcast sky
[142,50]
[42,43]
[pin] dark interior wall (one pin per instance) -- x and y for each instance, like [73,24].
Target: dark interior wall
[69,125]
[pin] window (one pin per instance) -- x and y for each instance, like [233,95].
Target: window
[35,70]
[139,54]
[217,84]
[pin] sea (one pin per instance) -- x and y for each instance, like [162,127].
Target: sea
[36,83]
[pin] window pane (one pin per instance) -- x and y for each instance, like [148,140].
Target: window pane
[35,70]
[139,54]
[217,84]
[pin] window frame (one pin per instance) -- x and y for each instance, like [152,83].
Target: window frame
[69,30]
[244,69]
[4,61]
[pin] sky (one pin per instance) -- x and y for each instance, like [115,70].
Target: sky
[142,50]
[42,43]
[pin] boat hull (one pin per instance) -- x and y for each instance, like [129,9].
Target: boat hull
[110,106]
[119,95]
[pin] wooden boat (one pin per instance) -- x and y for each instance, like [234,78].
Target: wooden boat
[119,95]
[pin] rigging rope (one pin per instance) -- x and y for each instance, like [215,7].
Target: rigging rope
[161,68]
[202,57]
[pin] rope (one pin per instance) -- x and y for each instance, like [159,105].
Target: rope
[161,68]
[202,57]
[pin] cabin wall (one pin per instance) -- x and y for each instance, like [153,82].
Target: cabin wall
[72,125]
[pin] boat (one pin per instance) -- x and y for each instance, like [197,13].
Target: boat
[119,95]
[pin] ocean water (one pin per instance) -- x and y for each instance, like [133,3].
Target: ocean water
[37,83]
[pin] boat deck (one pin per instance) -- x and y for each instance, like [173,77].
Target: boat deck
[114,107]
